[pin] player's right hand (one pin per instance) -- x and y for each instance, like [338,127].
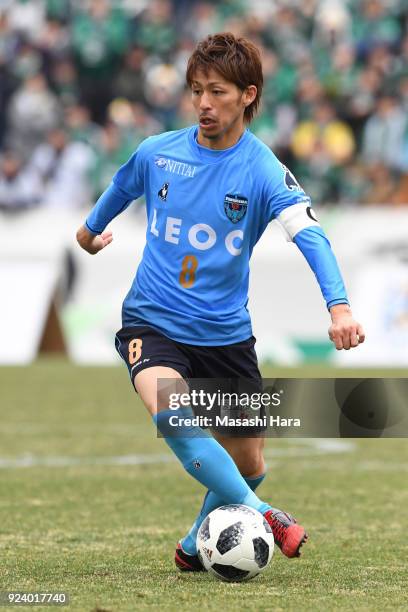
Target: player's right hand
[93,244]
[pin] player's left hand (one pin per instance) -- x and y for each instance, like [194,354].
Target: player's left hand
[345,332]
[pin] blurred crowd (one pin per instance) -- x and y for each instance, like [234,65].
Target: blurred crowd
[82,82]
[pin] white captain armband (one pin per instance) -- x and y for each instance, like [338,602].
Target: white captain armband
[297,217]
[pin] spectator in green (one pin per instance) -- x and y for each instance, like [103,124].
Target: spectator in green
[339,72]
[59,10]
[280,81]
[100,37]
[112,153]
[354,184]
[154,29]
[80,127]
[286,34]
[373,24]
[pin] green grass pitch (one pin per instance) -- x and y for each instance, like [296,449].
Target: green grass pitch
[72,519]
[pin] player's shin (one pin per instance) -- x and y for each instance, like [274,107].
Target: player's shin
[205,459]
[211,502]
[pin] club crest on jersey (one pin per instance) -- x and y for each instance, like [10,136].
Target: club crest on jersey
[163,192]
[290,181]
[235,207]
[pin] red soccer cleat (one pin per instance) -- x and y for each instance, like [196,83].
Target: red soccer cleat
[187,563]
[288,535]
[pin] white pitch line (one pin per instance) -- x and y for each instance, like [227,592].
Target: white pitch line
[28,460]
[297,448]
[32,429]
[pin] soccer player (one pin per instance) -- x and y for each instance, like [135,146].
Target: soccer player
[211,190]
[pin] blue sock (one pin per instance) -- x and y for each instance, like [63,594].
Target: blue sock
[211,502]
[205,459]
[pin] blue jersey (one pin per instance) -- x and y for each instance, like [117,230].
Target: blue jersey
[206,210]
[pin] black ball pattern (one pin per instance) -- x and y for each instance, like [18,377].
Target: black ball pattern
[205,529]
[237,508]
[230,537]
[229,572]
[261,549]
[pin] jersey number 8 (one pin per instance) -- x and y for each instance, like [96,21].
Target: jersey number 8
[188,270]
[135,350]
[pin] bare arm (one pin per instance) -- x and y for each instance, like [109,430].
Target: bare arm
[91,243]
[345,332]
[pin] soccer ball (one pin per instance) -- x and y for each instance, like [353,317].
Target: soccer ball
[235,543]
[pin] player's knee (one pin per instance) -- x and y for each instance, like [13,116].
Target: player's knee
[251,463]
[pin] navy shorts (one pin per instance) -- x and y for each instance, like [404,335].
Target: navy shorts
[231,368]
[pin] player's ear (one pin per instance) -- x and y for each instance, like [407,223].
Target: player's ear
[249,95]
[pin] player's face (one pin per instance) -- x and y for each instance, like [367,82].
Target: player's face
[220,106]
